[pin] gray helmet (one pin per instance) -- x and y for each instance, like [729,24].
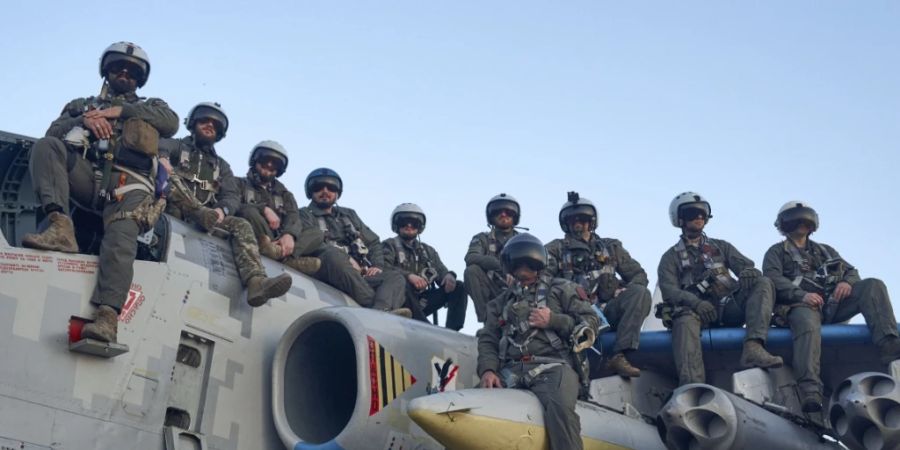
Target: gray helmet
[525,248]
[685,199]
[574,207]
[211,110]
[323,175]
[407,211]
[796,210]
[502,201]
[126,51]
[270,148]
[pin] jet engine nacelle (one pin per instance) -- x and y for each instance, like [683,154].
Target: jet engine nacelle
[865,411]
[700,416]
[342,378]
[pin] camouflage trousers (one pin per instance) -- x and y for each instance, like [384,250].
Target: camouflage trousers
[868,296]
[309,241]
[626,313]
[482,287]
[753,308]
[557,390]
[244,247]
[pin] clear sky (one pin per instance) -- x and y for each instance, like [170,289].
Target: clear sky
[446,104]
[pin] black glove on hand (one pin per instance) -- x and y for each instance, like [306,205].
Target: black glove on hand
[748,278]
[706,311]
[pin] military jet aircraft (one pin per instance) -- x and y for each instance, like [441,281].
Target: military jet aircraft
[311,370]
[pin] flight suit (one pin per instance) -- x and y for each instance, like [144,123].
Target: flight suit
[594,266]
[680,269]
[419,258]
[484,276]
[868,296]
[256,196]
[535,359]
[210,184]
[61,171]
[343,229]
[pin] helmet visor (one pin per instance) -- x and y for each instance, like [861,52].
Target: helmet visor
[503,205]
[792,218]
[693,211]
[265,157]
[408,219]
[217,117]
[115,62]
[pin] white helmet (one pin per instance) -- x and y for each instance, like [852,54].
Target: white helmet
[407,211]
[796,210]
[210,110]
[502,201]
[126,51]
[687,199]
[577,206]
[270,148]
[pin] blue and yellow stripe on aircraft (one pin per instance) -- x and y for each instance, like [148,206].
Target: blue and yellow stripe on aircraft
[387,377]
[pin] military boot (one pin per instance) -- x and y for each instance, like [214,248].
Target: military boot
[270,249]
[304,264]
[811,401]
[104,327]
[622,367]
[755,355]
[59,236]
[260,289]
[889,349]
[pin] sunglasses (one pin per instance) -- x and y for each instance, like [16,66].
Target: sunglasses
[133,70]
[506,211]
[319,186]
[583,218]
[409,223]
[270,161]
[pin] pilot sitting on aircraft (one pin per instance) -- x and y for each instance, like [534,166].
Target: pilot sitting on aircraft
[530,335]
[698,290]
[114,134]
[429,284]
[204,193]
[273,213]
[353,260]
[815,286]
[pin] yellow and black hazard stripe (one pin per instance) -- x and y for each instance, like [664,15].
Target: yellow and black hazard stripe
[387,377]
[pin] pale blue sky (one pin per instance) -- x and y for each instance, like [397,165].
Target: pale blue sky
[448,103]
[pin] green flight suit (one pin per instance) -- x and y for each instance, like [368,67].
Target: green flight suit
[594,266]
[62,172]
[679,273]
[417,257]
[342,226]
[212,184]
[484,275]
[868,296]
[539,360]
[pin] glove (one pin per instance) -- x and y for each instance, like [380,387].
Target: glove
[204,217]
[748,277]
[706,311]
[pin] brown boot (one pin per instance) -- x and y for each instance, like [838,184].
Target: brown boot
[269,249]
[889,349]
[59,236]
[260,289]
[104,327]
[622,367]
[755,355]
[304,264]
